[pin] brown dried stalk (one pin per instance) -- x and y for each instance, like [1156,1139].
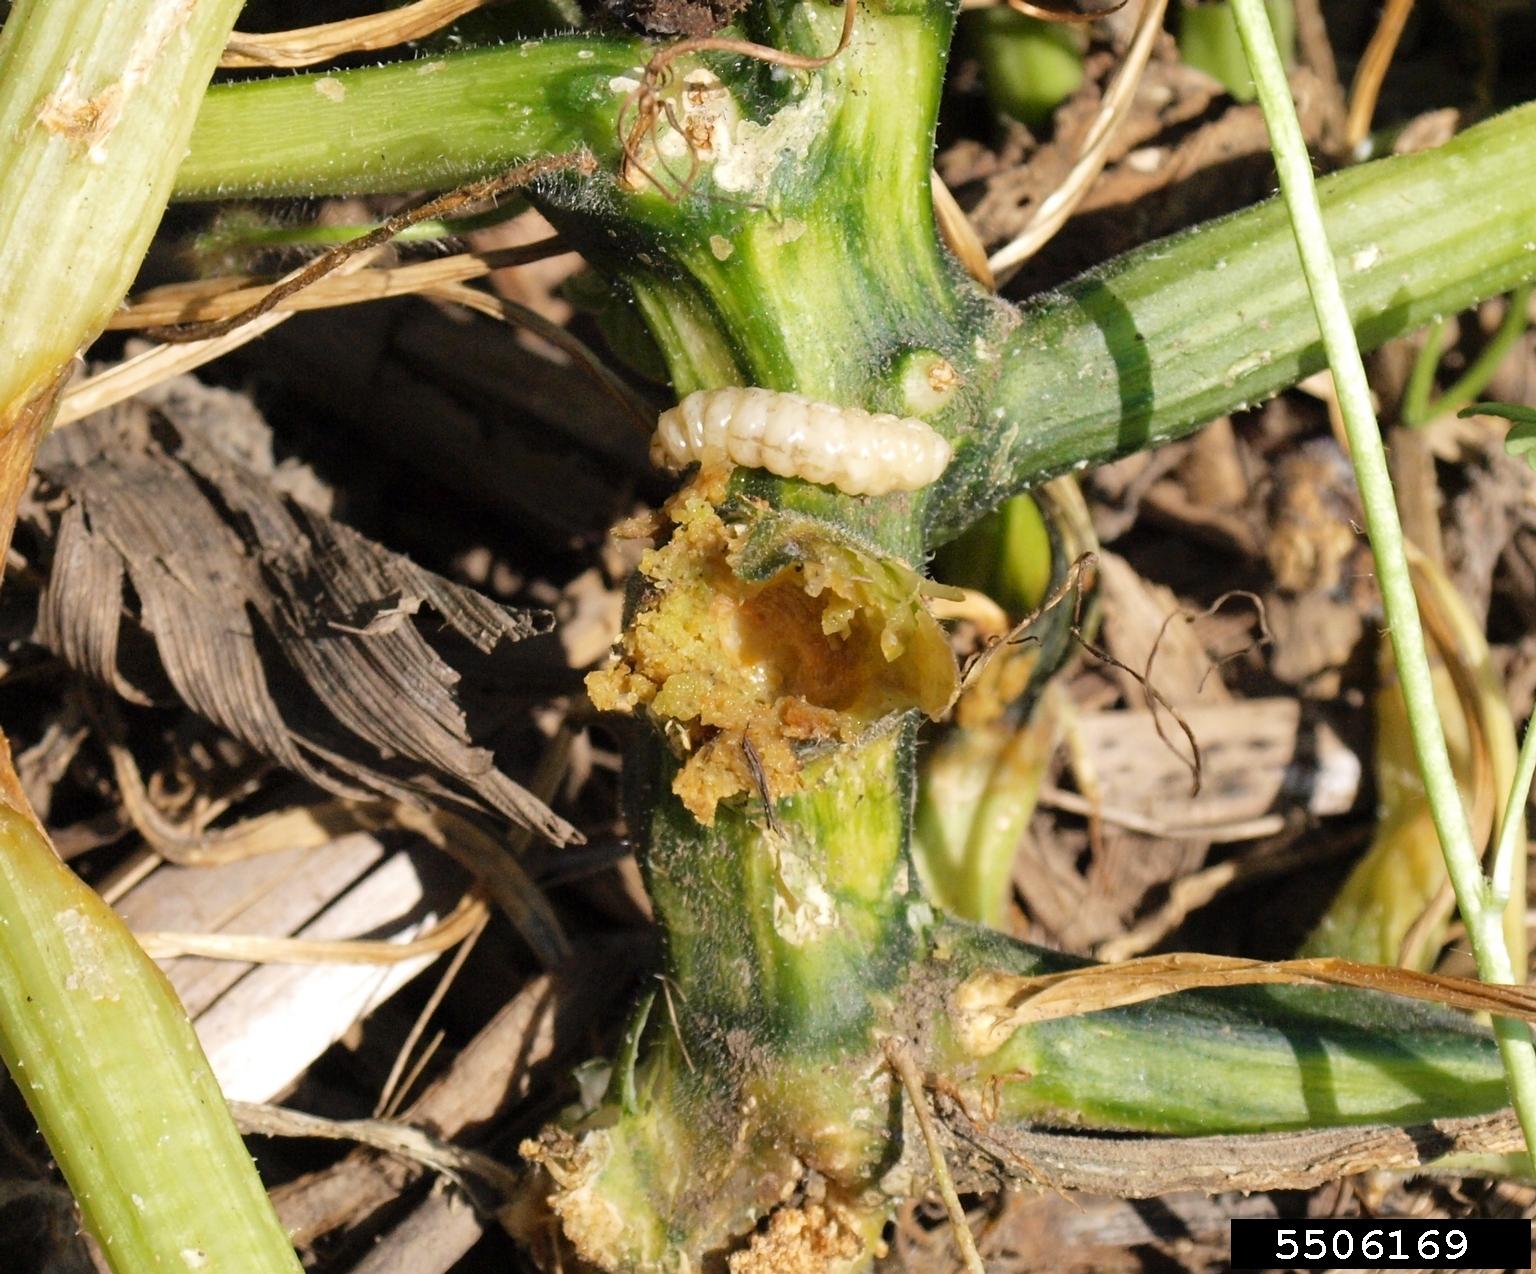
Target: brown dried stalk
[304,46]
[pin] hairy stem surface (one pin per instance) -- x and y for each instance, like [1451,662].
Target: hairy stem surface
[1150,346]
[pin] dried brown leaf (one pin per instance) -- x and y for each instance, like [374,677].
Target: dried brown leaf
[991,1006]
[176,557]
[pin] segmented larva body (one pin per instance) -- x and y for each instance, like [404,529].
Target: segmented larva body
[858,452]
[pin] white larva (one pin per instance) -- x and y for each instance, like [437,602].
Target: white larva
[858,452]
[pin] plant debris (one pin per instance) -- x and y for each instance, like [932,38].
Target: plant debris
[174,564]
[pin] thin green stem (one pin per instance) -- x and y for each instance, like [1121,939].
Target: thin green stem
[1471,382]
[1512,831]
[1422,378]
[1478,909]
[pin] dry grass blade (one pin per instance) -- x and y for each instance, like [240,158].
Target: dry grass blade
[992,1006]
[251,948]
[387,1135]
[959,235]
[1053,212]
[906,1070]
[143,371]
[454,201]
[296,827]
[394,1090]
[499,873]
[1458,639]
[553,767]
[1373,70]
[133,376]
[210,299]
[305,46]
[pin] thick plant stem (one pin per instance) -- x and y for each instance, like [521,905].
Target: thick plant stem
[1132,354]
[1306,1058]
[436,122]
[1153,344]
[1481,907]
[102,1050]
[785,945]
[96,105]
